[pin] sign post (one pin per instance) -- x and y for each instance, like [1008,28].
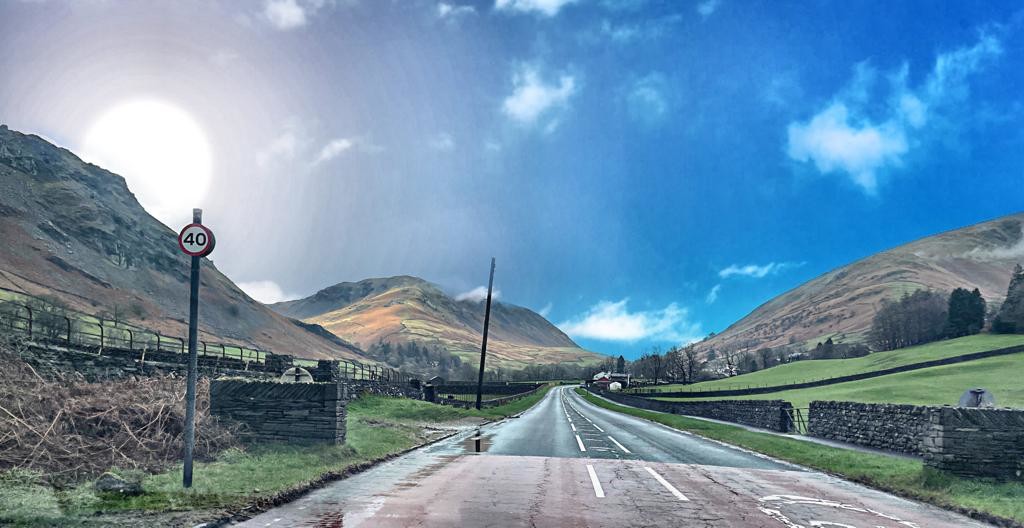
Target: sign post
[196,241]
[483,346]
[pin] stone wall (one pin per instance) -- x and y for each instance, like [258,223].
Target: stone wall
[383,388]
[891,427]
[766,414]
[51,361]
[488,388]
[976,442]
[283,412]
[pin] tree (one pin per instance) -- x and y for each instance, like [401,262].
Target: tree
[966,313]
[1010,318]
[620,365]
[914,319]
[691,361]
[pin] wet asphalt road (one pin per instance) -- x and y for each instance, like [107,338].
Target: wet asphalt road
[566,462]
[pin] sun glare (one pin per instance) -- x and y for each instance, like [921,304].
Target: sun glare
[161,151]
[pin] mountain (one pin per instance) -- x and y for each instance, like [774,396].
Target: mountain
[74,231]
[842,302]
[406,309]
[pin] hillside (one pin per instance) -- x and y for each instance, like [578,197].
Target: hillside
[942,385]
[408,309]
[801,371]
[842,302]
[74,231]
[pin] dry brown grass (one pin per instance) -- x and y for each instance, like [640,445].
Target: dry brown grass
[70,429]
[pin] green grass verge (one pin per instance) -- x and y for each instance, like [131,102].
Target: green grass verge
[830,368]
[898,475]
[930,386]
[377,427]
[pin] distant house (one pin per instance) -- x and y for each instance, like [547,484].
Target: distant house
[604,379]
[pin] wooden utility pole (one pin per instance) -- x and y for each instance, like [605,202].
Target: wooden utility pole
[483,346]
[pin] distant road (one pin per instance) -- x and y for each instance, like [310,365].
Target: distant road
[568,463]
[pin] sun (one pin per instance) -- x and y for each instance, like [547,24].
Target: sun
[160,149]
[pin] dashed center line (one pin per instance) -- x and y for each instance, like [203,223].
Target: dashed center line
[666,484]
[597,483]
[573,427]
[616,442]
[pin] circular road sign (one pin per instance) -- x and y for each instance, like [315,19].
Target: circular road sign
[196,240]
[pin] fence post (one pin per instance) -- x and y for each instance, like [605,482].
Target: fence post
[101,337]
[158,341]
[182,345]
[68,321]
[29,310]
[131,339]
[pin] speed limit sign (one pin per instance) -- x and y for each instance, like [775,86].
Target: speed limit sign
[196,240]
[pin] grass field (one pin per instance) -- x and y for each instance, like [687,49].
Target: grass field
[930,386]
[897,475]
[377,427]
[830,368]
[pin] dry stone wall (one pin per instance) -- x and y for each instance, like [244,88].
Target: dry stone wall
[766,414]
[899,428]
[976,442]
[283,412]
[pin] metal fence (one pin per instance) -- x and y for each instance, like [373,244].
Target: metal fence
[45,322]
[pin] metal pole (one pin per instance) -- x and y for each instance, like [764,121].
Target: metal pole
[483,345]
[190,390]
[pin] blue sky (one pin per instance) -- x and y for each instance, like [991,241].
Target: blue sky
[645,172]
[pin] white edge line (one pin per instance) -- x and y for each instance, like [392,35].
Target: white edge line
[665,483]
[597,483]
[622,447]
[596,427]
[580,442]
[573,427]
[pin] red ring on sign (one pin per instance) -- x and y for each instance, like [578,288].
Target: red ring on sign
[209,236]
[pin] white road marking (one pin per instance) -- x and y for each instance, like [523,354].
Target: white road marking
[573,427]
[597,483]
[580,442]
[665,483]
[596,427]
[622,447]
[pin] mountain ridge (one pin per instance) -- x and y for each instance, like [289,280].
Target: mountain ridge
[841,302]
[404,309]
[75,232]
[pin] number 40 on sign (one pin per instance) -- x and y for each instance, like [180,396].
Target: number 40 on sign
[196,240]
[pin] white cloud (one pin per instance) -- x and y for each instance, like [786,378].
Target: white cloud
[1013,251]
[296,146]
[285,15]
[546,310]
[333,149]
[647,99]
[713,294]
[452,11]
[612,321]
[862,138]
[860,149]
[629,32]
[283,148]
[755,271]
[708,7]
[442,142]
[266,292]
[532,98]
[544,7]
[477,294]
